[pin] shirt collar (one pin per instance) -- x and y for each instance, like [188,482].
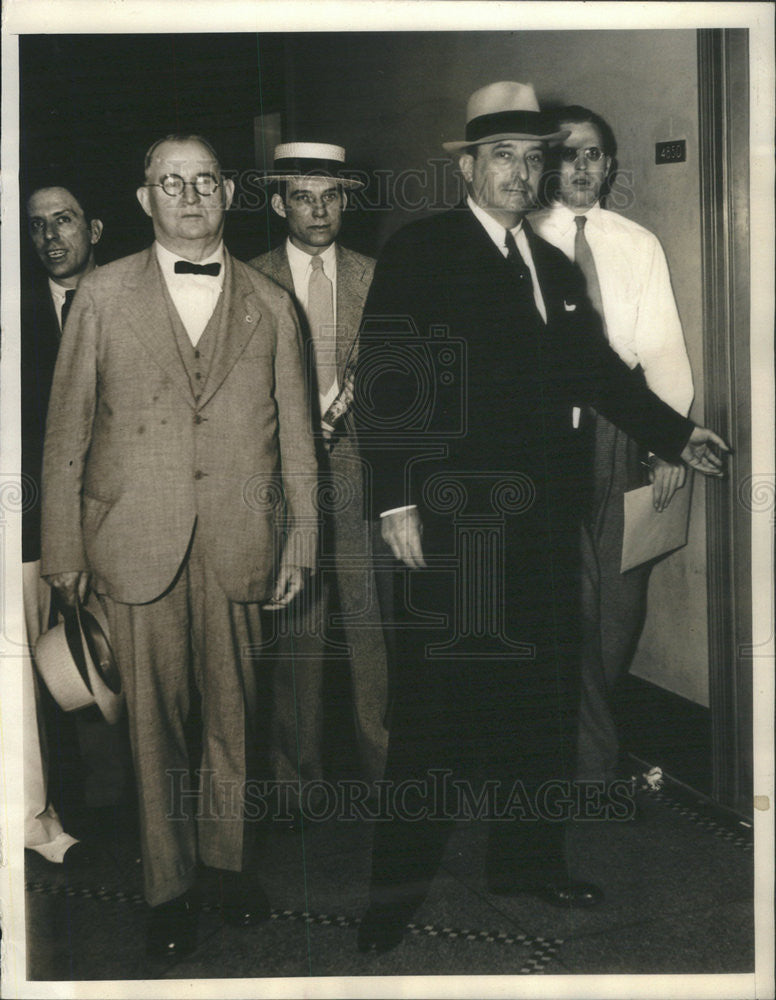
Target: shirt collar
[494,229]
[57,291]
[299,259]
[167,261]
[564,217]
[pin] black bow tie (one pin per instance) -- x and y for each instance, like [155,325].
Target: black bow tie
[186,267]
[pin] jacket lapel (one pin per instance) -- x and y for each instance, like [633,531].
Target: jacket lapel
[240,316]
[351,294]
[145,310]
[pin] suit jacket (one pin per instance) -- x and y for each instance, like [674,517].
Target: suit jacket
[354,275]
[450,355]
[39,347]
[132,459]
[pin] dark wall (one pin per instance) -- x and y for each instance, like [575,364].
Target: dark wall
[93,104]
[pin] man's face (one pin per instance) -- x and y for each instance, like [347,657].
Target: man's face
[582,178]
[189,223]
[503,177]
[62,237]
[313,210]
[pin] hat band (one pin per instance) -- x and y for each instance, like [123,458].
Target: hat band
[500,122]
[305,167]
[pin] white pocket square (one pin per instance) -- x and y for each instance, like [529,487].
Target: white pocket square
[569,306]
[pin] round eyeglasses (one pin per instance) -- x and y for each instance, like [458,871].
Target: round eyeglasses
[591,153]
[174,184]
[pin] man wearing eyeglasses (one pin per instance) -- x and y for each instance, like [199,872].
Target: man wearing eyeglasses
[629,285]
[178,398]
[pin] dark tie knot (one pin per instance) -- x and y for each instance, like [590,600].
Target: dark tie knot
[514,257]
[187,267]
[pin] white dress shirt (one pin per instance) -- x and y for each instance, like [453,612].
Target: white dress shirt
[301,269]
[642,322]
[58,297]
[193,295]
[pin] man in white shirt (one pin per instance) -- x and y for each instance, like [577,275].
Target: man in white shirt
[178,483]
[629,284]
[329,284]
[64,234]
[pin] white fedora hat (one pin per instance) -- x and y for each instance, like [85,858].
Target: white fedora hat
[293,160]
[505,110]
[75,660]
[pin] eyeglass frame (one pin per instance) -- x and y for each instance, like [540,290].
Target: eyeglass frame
[576,150]
[194,183]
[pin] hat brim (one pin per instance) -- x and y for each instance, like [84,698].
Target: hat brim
[347,182]
[551,139]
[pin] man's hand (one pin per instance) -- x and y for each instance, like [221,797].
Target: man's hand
[290,581]
[699,454]
[70,586]
[666,479]
[402,530]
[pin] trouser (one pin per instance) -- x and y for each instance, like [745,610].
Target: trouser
[43,829]
[311,634]
[191,634]
[497,730]
[613,603]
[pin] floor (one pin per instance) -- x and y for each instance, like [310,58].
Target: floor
[678,883]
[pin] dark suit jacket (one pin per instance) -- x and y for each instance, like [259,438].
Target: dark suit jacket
[39,347]
[133,459]
[449,355]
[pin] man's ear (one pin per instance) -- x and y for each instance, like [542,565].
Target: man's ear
[466,166]
[95,231]
[279,205]
[144,199]
[228,191]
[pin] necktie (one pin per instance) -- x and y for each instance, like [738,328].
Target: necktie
[583,256]
[186,267]
[515,258]
[69,296]
[320,313]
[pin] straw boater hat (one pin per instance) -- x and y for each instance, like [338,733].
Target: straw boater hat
[75,660]
[293,160]
[505,110]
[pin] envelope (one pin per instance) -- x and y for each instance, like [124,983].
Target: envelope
[650,534]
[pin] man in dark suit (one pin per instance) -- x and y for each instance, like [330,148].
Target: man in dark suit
[178,482]
[477,343]
[323,275]
[64,233]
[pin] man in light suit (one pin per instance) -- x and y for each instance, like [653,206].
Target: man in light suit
[477,343]
[178,398]
[628,283]
[311,196]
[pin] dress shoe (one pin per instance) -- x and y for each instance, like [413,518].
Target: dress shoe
[243,901]
[78,857]
[172,929]
[381,928]
[565,893]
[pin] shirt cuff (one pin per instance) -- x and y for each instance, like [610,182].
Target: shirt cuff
[396,510]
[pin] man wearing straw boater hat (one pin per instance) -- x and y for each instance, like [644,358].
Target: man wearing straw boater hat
[178,482]
[329,284]
[477,344]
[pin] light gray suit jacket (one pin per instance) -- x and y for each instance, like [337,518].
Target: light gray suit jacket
[132,459]
[354,276]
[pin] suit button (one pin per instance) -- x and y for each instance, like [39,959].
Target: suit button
[199,474]
[197,418]
[197,375]
[196,354]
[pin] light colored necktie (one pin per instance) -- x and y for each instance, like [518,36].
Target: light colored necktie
[583,256]
[320,313]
